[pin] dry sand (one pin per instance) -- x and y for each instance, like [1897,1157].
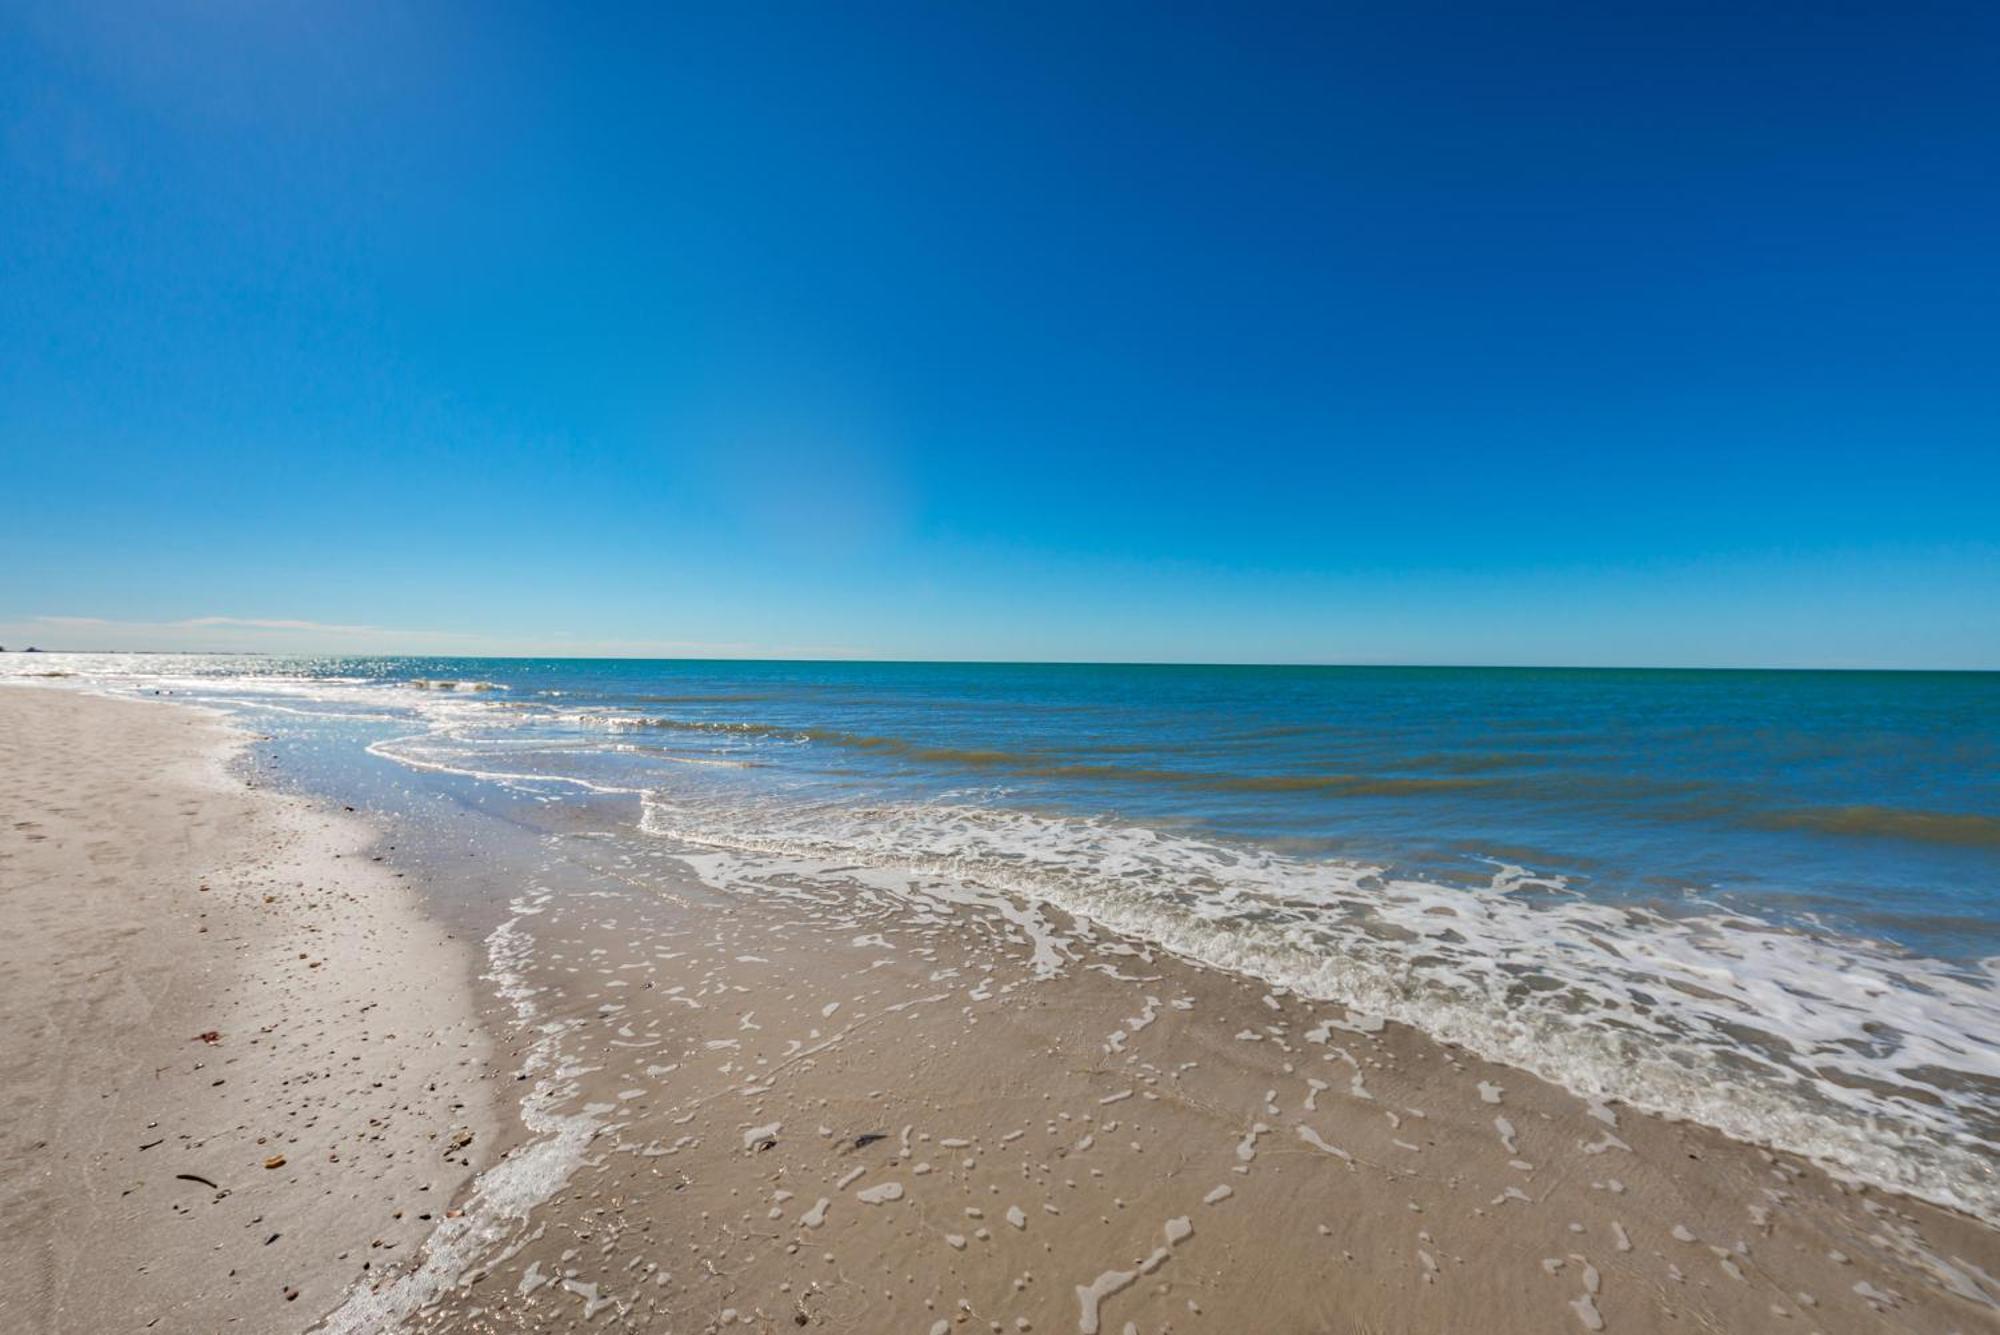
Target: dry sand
[807,1100]
[151,1179]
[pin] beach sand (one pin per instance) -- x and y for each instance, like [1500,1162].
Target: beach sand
[854,1112]
[152,1179]
[798,1102]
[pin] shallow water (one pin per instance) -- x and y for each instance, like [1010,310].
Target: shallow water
[1764,900]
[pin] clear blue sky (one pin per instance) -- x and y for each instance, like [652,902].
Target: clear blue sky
[1471,333]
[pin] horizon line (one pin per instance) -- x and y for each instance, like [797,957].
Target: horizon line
[1013,662]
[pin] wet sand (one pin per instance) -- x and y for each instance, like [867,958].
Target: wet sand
[234,1056]
[809,1098]
[803,1103]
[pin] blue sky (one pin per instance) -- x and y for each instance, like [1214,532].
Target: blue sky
[1564,334]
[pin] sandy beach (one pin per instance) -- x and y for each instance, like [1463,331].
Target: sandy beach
[240,1069]
[999,669]
[708,1099]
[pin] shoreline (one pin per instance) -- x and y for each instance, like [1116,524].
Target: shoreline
[844,1100]
[151,895]
[851,1109]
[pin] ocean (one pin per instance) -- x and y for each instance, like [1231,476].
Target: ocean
[1765,901]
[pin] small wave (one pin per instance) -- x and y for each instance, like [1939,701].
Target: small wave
[1042,764]
[388,750]
[1881,1065]
[626,722]
[448,684]
[348,716]
[705,762]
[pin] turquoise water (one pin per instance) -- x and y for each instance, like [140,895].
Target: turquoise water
[1871,800]
[1766,900]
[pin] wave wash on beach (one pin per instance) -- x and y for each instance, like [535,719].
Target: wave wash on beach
[1600,877]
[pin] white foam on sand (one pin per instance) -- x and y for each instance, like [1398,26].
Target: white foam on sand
[502,1195]
[1090,1297]
[1878,1065]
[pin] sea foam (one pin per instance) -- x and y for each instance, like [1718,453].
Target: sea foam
[1876,1064]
